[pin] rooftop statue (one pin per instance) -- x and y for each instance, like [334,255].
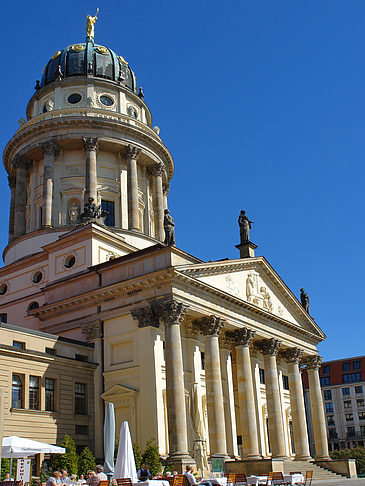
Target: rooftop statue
[245,226]
[304,299]
[90,23]
[92,212]
[169,227]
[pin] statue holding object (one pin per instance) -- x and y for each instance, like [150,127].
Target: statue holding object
[304,299]
[245,226]
[93,213]
[169,227]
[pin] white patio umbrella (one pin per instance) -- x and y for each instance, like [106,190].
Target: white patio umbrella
[125,466]
[200,452]
[16,447]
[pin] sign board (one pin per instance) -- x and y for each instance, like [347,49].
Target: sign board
[23,470]
[217,464]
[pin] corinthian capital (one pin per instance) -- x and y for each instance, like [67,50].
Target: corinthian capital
[12,182]
[146,316]
[21,162]
[90,143]
[269,346]
[242,337]
[49,148]
[170,311]
[166,189]
[132,152]
[209,326]
[293,355]
[313,362]
[156,170]
[92,330]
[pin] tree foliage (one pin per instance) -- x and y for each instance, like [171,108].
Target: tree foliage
[151,457]
[357,453]
[137,455]
[69,460]
[86,461]
[5,467]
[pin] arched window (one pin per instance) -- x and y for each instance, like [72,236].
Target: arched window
[32,306]
[17,392]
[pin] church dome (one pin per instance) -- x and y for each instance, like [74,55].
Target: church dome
[89,60]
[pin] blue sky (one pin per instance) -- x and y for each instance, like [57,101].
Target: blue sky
[261,104]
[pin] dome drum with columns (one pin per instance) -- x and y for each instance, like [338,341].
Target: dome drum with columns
[177,344]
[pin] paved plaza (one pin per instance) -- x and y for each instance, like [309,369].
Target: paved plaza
[340,482]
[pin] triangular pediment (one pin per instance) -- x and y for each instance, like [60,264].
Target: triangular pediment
[116,391]
[254,281]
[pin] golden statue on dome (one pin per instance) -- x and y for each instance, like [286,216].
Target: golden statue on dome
[90,23]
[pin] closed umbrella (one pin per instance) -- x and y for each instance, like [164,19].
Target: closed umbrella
[109,439]
[125,466]
[200,453]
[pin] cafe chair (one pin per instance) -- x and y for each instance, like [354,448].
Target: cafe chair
[231,478]
[179,480]
[241,479]
[124,482]
[104,483]
[269,479]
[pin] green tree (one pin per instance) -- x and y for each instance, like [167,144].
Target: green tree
[5,467]
[357,453]
[69,460]
[86,461]
[151,457]
[137,455]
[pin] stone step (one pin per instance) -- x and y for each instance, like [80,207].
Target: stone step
[319,472]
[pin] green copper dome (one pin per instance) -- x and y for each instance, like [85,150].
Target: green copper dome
[89,60]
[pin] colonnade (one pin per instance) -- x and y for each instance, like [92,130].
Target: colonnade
[50,149]
[170,313]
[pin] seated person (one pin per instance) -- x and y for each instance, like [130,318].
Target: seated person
[191,478]
[143,474]
[100,473]
[92,478]
[53,480]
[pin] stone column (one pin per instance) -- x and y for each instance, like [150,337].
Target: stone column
[211,327]
[49,149]
[12,184]
[132,187]
[269,348]
[171,313]
[246,401]
[21,166]
[91,146]
[165,189]
[157,172]
[318,419]
[301,443]
[228,393]
[94,334]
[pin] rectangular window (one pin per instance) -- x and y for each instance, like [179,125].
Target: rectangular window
[108,206]
[332,433]
[80,398]
[362,429]
[345,391]
[49,394]
[347,404]
[202,360]
[360,402]
[262,376]
[17,391]
[327,394]
[349,417]
[330,420]
[351,377]
[325,380]
[358,389]
[81,430]
[346,367]
[18,345]
[285,382]
[350,431]
[326,370]
[329,407]
[50,351]
[4,318]
[81,357]
[361,415]
[34,393]
[356,365]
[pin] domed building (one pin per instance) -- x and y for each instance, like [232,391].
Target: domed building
[202,356]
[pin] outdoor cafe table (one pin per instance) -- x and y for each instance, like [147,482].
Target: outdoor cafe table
[152,482]
[288,479]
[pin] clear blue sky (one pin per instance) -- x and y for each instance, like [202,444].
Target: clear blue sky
[262,105]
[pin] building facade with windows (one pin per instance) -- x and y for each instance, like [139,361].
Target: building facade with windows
[343,392]
[173,337]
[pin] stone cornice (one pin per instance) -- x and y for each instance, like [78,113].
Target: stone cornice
[215,268]
[36,130]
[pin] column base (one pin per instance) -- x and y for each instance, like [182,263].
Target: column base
[179,462]
[251,458]
[47,226]
[303,458]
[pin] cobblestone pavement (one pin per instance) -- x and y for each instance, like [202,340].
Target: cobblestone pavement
[339,482]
